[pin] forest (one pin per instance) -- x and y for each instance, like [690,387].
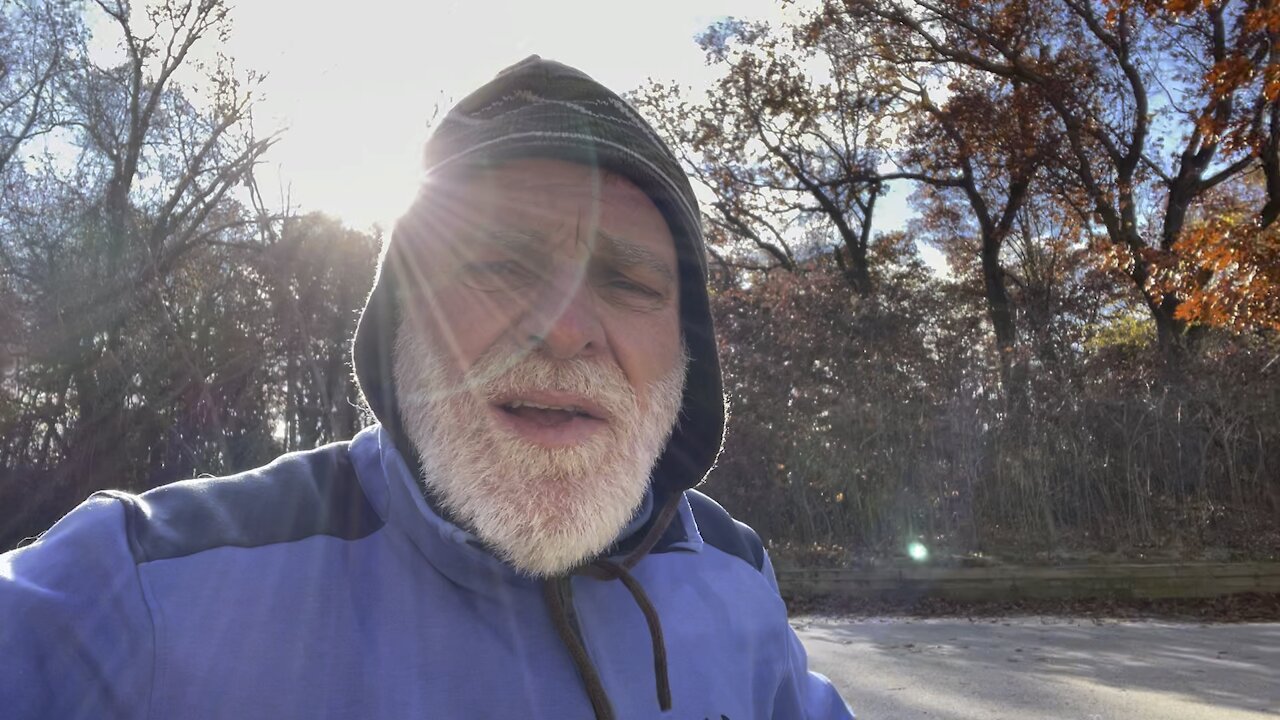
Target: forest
[1071,349]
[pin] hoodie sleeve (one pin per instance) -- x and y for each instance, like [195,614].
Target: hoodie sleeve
[76,631]
[804,694]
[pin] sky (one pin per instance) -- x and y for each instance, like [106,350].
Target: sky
[353,85]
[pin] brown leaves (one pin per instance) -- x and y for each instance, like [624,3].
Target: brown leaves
[1231,274]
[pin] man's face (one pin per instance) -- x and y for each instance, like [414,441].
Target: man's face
[539,363]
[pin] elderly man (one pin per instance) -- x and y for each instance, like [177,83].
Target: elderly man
[516,537]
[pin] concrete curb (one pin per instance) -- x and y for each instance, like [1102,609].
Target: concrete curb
[1135,581]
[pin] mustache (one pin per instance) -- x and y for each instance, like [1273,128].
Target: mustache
[499,375]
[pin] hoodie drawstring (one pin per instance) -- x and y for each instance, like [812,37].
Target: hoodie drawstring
[559,595]
[606,570]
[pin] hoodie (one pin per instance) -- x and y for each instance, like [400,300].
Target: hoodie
[326,584]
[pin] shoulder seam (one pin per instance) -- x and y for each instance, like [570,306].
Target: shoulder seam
[267,544]
[298,496]
[742,541]
[129,508]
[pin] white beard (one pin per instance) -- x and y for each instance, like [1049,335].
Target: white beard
[542,510]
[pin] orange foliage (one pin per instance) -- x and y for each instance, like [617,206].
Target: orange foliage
[1230,274]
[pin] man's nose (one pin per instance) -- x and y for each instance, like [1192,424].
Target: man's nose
[564,320]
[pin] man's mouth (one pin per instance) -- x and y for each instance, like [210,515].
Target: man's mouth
[544,414]
[551,419]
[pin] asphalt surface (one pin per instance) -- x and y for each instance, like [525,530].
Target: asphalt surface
[1053,668]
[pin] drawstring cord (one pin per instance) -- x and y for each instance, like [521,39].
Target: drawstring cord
[559,595]
[606,570]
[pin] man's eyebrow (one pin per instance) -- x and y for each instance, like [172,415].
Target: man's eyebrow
[629,253]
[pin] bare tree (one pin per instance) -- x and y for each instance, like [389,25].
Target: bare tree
[141,182]
[790,158]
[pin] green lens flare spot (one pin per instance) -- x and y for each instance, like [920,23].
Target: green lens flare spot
[918,552]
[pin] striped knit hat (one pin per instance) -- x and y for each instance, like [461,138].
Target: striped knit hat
[540,108]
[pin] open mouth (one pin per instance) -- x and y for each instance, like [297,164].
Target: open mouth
[544,414]
[551,419]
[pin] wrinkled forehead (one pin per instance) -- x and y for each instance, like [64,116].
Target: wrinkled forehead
[534,176]
[548,197]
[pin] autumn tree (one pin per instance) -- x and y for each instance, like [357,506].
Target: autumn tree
[946,139]
[790,155]
[1137,100]
[793,160]
[1227,265]
[1228,260]
[1083,167]
[955,149]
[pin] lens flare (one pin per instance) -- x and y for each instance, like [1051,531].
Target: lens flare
[918,552]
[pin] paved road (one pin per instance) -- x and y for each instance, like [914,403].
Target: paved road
[1052,668]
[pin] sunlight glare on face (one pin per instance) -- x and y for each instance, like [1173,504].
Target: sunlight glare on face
[539,363]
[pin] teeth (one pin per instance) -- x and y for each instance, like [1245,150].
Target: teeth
[525,403]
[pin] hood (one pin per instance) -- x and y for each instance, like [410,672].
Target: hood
[541,108]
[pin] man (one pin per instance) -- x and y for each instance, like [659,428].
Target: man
[516,537]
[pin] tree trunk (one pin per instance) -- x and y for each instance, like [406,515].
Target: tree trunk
[999,307]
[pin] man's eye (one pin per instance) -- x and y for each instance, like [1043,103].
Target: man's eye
[497,275]
[631,286]
[626,292]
